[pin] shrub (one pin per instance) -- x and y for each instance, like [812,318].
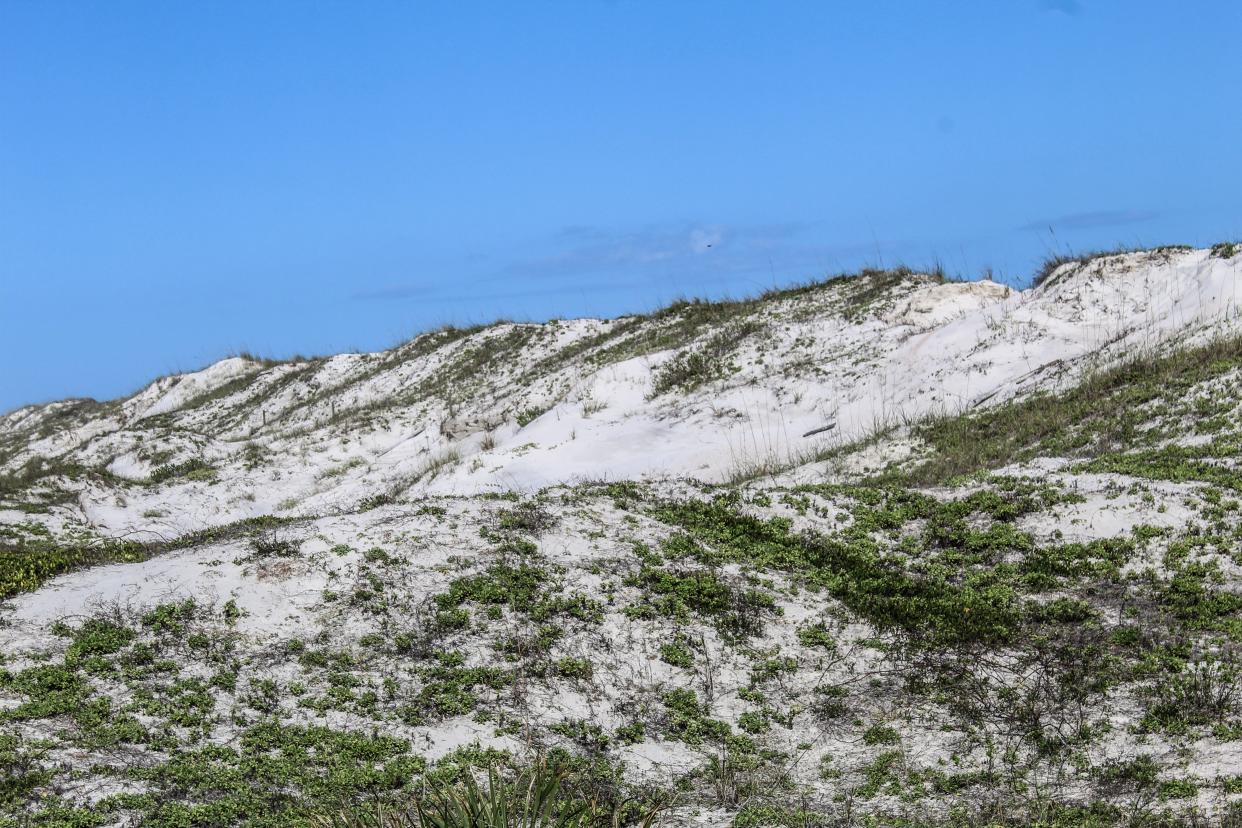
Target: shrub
[1202,694]
[879,734]
[1128,775]
[577,668]
[816,635]
[753,722]
[737,613]
[1178,789]
[21,770]
[631,734]
[677,654]
[688,721]
[528,517]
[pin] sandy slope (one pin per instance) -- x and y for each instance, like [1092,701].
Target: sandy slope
[387,451]
[528,406]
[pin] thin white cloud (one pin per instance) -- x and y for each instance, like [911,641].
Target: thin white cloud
[1097,218]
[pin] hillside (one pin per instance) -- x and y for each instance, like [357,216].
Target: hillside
[887,546]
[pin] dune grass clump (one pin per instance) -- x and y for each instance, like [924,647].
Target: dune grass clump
[193,469]
[1226,250]
[697,366]
[1103,413]
[539,796]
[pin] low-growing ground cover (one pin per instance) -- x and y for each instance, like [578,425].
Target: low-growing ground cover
[1024,613]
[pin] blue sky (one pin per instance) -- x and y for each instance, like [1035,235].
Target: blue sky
[179,181]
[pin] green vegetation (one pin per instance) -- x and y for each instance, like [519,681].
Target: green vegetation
[934,645]
[29,557]
[677,654]
[1226,250]
[939,607]
[1053,263]
[689,369]
[678,593]
[688,721]
[1105,413]
[544,795]
[193,469]
[524,589]
[528,415]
